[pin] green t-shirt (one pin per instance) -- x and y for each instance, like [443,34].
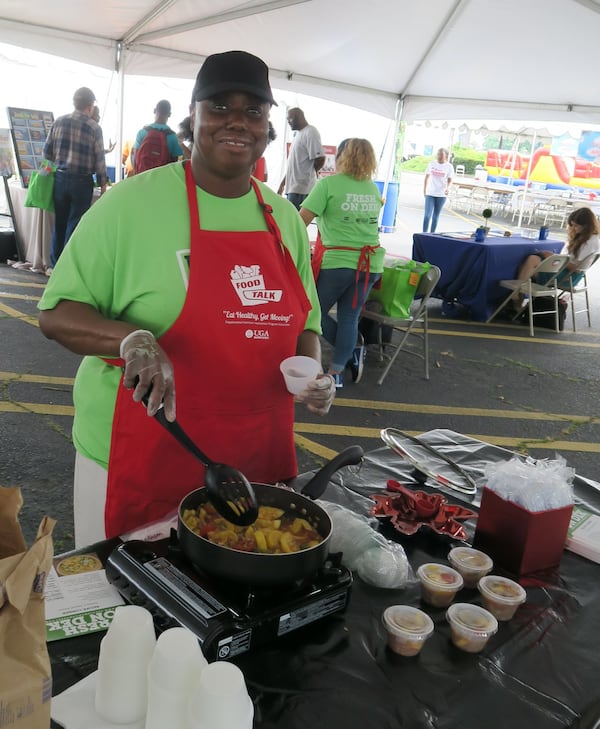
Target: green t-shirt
[128,259]
[348,212]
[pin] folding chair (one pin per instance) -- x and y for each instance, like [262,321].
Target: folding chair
[551,265]
[418,321]
[580,287]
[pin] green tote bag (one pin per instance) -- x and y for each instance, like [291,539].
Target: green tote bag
[40,192]
[399,284]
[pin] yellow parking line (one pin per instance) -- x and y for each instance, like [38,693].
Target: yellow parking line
[521,340]
[42,379]
[21,283]
[36,408]
[448,410]
[18,315]
[506,442]
[315,448]
[25,297]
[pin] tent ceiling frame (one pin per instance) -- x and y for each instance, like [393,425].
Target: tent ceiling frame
[228,15]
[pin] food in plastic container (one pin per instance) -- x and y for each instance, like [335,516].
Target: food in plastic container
[471,563]
[407,628]
[471,626]
[501,596]
[439,583]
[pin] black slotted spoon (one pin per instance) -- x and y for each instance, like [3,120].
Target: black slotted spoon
[227,489]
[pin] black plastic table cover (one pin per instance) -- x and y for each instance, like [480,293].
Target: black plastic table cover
[541,670]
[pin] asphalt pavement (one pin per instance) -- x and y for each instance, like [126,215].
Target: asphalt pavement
[492,382]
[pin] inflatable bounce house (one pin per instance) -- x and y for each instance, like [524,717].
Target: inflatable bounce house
[549,170]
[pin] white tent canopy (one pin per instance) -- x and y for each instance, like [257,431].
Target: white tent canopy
[442,59]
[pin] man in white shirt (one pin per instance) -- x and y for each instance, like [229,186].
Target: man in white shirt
[306,159]
[438,176]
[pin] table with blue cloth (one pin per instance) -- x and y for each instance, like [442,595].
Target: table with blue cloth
[471,270]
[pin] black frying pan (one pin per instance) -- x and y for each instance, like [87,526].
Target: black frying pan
[253,568]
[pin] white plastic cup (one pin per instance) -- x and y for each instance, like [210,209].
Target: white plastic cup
[173,674]
[221,700]
[407,628]
[125,653]
[298,371]
[501,596]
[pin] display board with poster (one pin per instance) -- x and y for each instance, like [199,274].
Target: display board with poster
[7,168]
[29,128]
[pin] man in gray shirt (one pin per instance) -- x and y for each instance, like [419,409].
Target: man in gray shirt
[306,159]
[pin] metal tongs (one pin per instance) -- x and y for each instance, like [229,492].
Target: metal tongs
[392,437]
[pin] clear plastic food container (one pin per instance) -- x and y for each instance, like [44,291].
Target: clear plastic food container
[471,626]
[471,563]
[439,583]
[407,629]
[501,596]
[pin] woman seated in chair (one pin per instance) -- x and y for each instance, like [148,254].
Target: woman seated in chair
[582,242]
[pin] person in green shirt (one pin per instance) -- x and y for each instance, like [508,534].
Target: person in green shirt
[348,258]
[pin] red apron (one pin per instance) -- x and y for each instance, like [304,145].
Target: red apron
[364,262]
[244,310]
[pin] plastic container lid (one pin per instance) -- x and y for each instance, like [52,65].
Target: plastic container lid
[402,619]
[470,559]
[440,577]
[472,618]
[502,590]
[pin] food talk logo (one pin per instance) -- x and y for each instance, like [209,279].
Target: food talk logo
[249,285]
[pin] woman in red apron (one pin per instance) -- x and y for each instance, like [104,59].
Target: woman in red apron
[247,418]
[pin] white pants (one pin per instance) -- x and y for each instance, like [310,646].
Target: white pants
[89,501]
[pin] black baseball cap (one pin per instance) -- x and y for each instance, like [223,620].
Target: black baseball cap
[233,71]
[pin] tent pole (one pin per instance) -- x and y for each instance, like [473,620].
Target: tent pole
[392,153]
[526,188]
[120,70]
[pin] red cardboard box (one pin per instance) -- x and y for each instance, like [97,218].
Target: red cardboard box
[518,540]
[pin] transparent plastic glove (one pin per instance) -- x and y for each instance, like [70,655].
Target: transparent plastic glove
[149,371]
[319,394]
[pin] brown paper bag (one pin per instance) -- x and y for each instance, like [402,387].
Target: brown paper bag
[25,676]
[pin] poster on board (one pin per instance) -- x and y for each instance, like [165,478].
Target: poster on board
[7,167]
[29,129]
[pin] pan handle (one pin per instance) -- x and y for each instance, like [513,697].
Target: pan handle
[350,456]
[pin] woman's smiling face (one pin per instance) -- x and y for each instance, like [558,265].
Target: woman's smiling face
[230,133]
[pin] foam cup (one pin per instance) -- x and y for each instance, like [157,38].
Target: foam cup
[221,700]
[125,653]
[298,371]
[173,675]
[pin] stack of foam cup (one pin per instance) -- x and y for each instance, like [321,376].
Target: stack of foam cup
[125,653]
[220,700]
[173,674]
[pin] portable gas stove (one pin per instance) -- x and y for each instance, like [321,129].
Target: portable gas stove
[227,618]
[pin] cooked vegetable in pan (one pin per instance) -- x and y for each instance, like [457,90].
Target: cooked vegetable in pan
[274,532]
